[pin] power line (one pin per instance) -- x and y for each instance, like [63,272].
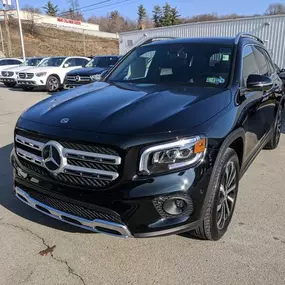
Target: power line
[111,4]
[84,7]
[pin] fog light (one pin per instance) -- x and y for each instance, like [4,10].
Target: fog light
[173,206]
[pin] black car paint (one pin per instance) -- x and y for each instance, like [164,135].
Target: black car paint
[129,117]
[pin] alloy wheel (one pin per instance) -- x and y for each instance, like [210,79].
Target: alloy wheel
[278,125]
[227,195]
[53,84]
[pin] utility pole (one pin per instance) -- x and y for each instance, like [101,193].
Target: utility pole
[2,41]
[21,31]
[84,44]
[7,32]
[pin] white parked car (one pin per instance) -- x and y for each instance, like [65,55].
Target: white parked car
[9,75]
[50,73]
[9,62]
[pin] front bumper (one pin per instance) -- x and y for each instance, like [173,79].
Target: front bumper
[96,225]
[130,209]
[8,80]
[35,81]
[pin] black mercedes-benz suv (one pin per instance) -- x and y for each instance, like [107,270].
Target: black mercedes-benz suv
[93,71]
[159,146]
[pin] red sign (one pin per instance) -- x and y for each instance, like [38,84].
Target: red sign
[69,21]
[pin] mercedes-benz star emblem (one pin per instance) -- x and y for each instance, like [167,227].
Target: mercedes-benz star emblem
[64,120]
[77,78]
[52,155]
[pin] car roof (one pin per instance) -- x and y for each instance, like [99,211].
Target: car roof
[210,40]
[9,58]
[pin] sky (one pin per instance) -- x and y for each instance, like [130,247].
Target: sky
[186,8]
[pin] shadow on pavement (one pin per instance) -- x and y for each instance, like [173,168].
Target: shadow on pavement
[11,203]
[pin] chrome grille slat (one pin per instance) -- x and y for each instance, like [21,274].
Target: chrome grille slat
[29,143]
[80,167]
[23,75]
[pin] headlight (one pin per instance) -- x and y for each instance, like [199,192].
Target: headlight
[169,156]
[40,74]
[95,77]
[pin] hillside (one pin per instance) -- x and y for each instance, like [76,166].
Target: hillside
[43,41]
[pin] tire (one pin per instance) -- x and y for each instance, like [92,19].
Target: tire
[28,88]
[10,84]
[275,138]
[53,84]
[220,207]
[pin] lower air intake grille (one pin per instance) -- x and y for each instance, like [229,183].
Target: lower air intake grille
[73,209]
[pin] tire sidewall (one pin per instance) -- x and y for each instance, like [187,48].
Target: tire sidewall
[279,112]
[10,85]
[47,84]
[229,155]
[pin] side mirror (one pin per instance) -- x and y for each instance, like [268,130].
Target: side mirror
[65,65]
[257,82]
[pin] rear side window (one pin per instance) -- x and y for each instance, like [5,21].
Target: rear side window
[249,64]
[3,62]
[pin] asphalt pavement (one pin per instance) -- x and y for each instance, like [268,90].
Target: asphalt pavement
[35,249]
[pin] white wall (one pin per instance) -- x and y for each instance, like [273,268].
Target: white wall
[63,24]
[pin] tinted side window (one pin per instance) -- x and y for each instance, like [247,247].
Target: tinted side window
[71,62]
[113,60]
[249,64]
[3,62]
[261,62]
[12,62]
[81,61]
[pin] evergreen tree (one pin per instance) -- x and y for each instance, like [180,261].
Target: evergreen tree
[166,19]
[51,9]
[174,16]
[157,16]
[141,15]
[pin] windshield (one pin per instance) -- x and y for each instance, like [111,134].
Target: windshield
[102,62]
[53,61]
[200,64]
[32,62]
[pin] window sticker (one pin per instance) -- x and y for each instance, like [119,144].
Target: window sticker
[226,57]
[215,80]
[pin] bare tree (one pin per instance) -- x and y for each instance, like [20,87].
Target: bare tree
[275,9]
[31,17]
[32,9]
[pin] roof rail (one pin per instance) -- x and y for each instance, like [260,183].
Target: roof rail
[151,40]
[247,35]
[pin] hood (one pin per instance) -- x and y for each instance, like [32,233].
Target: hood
[6,67]
[130,109]
[41,69]
[19,68]
[87,71]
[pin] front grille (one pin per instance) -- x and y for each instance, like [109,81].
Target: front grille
[78,78]
[23,75]
[73,209]
[85,164]
[7,73]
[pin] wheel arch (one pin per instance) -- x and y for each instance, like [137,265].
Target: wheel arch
[55,75]
[235,140]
